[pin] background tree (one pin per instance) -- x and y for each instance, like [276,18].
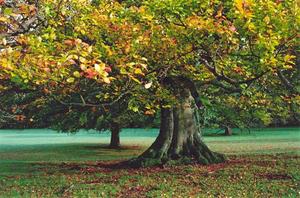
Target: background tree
[32,109]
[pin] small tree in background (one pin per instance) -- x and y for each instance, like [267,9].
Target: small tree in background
[32,109]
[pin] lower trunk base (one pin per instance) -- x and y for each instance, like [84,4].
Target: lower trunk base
[114,147]
[184,160]
[158,157]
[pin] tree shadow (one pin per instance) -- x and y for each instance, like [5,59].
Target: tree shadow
[108,147]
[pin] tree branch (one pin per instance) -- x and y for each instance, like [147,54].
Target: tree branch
[84,104]
[225,78]
[285,81]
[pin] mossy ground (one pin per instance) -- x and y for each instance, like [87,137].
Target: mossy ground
[259,167]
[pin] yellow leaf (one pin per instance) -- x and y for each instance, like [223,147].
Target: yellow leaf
[72,56]
[288,57]
[4,19]
[251,27]
[144,59]
[147,17]
[83,67]
[108,50]
[90,49]
[267,19]
[130,64]
[127,48]
[4,42]
[76,74]
[70,80]
[136,80]
[143,65]
[106,96]
[106,80]
[138,71]
[82,60]
[123,70]
[99,67]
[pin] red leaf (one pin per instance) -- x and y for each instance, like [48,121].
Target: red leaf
[107,69]
[90,73]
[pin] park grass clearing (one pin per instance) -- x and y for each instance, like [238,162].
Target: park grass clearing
[265,164]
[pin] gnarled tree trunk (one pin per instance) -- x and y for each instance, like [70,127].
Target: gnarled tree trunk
[179,139]
[115,135]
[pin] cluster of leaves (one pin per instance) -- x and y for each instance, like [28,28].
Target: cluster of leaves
[132,55]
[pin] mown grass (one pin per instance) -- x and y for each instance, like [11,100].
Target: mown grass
[257,166]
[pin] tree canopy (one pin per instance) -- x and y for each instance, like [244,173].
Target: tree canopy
[155,55]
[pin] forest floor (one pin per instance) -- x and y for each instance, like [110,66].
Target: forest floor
[263,165]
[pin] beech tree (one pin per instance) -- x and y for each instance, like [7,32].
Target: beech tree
[154,55]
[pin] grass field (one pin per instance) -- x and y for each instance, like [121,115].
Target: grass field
[41,163]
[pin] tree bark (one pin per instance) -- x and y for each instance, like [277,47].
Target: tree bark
[115,135]
[228,131]
[179,139]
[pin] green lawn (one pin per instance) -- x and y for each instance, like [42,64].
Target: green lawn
[260,164]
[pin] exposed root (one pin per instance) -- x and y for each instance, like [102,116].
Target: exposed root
[204,159]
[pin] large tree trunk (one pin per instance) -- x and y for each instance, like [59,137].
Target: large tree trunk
[179,139]
[115,135]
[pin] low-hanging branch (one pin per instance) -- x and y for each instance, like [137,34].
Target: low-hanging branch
[84,104]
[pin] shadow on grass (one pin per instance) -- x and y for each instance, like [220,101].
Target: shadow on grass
[262,160]
[107,147]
